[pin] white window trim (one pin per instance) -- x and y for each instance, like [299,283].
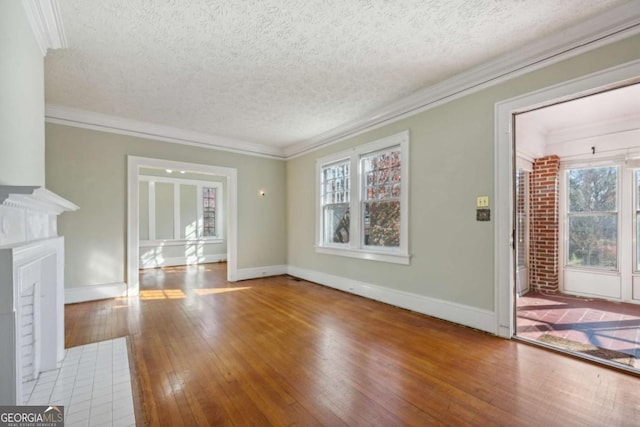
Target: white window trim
[199,184]
[355,248]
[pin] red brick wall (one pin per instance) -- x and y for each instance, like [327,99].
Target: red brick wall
[543,237]
[521,215]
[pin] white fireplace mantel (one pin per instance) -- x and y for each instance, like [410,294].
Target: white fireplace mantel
[31,288]
[28,213]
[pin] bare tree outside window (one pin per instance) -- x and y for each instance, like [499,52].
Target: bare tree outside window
[381,204]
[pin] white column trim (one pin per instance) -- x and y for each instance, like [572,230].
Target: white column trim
[176,211]
[152,210]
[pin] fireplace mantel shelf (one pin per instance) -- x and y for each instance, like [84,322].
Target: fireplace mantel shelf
[29,213]
[34,197]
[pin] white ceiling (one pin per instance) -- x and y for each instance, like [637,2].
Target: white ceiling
[275,72]
[541,131]
[604,107]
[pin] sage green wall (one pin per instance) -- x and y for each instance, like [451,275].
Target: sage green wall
[452,162]
[89,168]
[188,211]
[164,216]
[21,99]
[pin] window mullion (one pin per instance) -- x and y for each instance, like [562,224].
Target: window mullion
[355,196]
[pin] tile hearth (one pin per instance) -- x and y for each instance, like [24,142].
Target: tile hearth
[93,384]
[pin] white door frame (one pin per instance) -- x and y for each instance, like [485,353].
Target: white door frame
[503,181]
[231,204]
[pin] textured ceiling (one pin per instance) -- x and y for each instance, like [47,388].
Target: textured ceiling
[280,72]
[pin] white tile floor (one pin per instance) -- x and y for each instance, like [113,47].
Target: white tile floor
[93,384]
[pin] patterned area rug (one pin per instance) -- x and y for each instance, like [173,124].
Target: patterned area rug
[591,350]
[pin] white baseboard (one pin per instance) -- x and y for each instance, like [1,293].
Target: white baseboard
[257,272]
[174,261]
[92,293]
[473,317]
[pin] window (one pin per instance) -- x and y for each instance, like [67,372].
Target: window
[208,211]
[381,198]
[363,199]
[592,217]
[336,192]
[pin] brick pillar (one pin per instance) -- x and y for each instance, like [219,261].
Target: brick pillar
[543,237]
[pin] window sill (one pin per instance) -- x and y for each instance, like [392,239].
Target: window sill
[180,242]
[595,270]
[391,257]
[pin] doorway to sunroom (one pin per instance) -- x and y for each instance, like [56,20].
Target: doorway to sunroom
[577,220]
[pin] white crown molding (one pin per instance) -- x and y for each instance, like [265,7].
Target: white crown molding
[46,23]
[617,24]
[119,125]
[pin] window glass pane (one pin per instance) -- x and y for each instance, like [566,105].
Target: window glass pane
[335,193]
[381,206]
[208,211]
[382,223]
[593,241]
[593,189]
[336,223]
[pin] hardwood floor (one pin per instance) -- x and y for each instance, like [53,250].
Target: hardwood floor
[279,351]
